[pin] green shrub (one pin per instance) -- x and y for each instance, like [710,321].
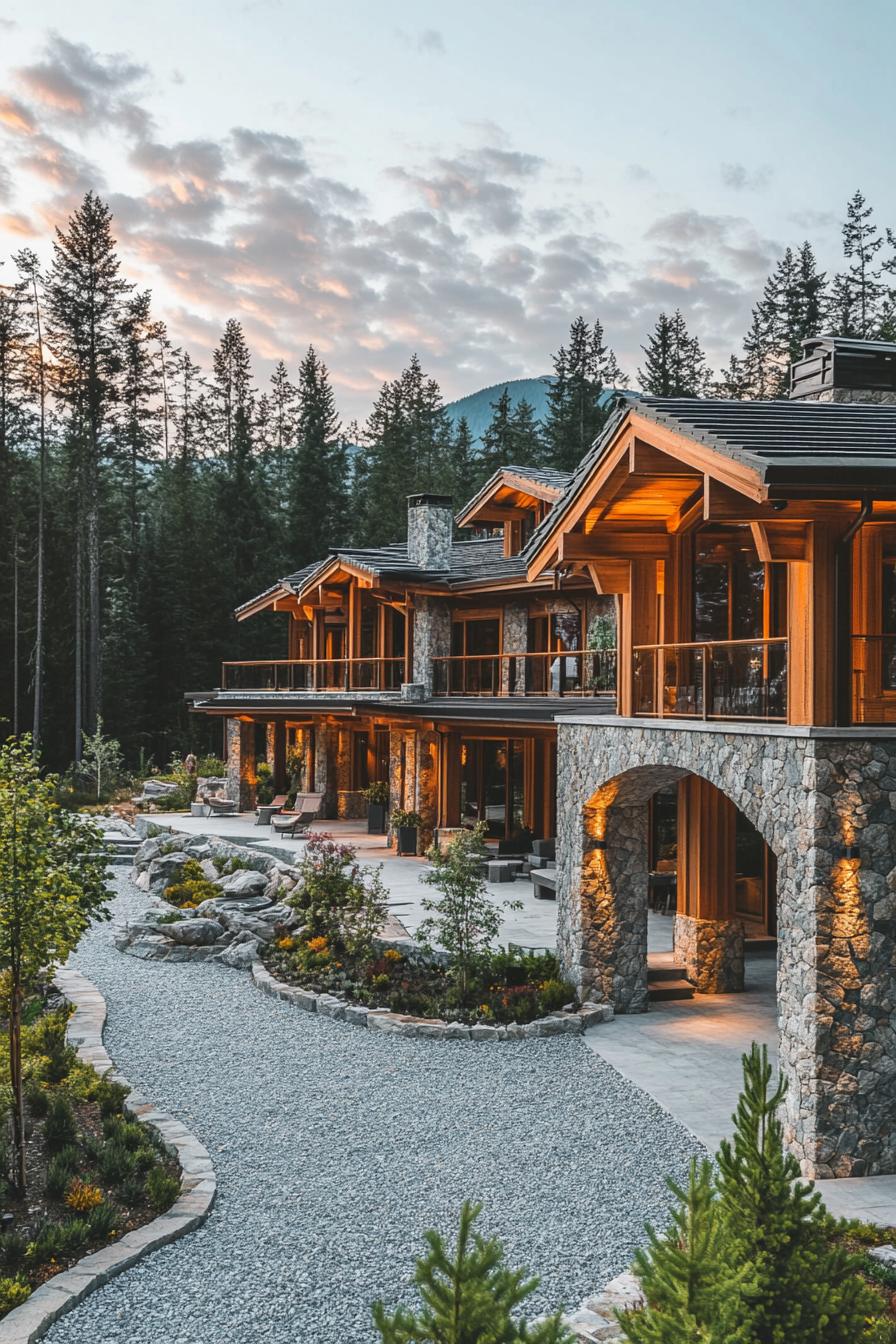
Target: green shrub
[132,1191]
[59,1127]
[339,899]
[60,1170]
[110,1097]
[46,1244]
[12,1249]
[102,1222]
[116,1162]
[36,1099]
[61,1059]
[74,1235]
[13,1292]
[553,994]
[188,895]
[130,1133]
[211,767]
[161,1189]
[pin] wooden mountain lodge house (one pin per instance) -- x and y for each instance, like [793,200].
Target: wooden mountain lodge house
[682,657]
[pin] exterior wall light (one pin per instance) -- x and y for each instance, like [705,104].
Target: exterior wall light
[846,852]
[598,844]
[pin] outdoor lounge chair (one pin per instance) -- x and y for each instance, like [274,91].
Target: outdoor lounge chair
[297,822]
[220,807]
[265,811]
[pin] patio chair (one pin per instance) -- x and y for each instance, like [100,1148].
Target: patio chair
[265,811]
[220,807]
[297,822]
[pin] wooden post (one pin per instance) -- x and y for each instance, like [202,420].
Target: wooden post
[637,626]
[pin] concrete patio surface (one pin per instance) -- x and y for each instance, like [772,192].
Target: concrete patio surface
[685,1054]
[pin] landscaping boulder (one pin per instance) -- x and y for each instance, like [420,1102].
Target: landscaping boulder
[194,932]
[243,883]
[239,956]
[164,871]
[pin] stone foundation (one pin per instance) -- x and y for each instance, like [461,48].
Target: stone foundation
[711,951]
[808,794]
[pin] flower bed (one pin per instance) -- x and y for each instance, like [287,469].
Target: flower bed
[329,950]
[94,1174]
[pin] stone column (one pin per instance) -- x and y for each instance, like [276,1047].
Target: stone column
[601,902]
[516,639]
[432,638]
[270,739]
[708,939]
[427,790]
[241,764]
[325,767]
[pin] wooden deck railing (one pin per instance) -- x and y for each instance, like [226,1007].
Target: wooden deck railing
[711,679]
[313,674]
[573,672]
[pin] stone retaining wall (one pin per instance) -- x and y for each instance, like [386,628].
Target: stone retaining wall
[404,1024]
[58,1295]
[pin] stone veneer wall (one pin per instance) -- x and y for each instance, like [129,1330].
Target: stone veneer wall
[430,531]
[711,952]
[427,790]
[515,640]
[807,794]
[432,637]
[241,764]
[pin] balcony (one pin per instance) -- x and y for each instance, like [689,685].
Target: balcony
[307,675]
[588,672]
[874,679]
[729,679]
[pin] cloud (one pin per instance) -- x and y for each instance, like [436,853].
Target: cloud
[739,178]
[636,172]
[76,86]
[484,186]
[15,116]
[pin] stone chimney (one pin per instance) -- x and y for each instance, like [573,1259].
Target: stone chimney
[430,530]
[839,368]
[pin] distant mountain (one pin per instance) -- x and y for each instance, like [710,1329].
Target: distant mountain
[477,407]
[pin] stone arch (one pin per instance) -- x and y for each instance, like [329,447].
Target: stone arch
[826,806]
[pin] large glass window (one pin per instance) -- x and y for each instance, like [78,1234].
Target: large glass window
[888,622]
[492,785]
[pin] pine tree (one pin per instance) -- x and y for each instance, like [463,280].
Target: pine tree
[732,383]
[316,490]
[759,363]
[468,1298]
[465,469]
[577,406]
[525,435]
[688,1282]
[674,363]
[860,287]
[85,296]
[498,439]
[801,1289]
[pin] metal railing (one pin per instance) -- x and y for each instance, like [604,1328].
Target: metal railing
[313,674]
[573,672]
[711,679]
[874,679]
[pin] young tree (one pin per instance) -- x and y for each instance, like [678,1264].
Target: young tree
[469,1297]
[464,920]
[674,363]
[101,760]
[577,408]
[689,1285]
[52,883]
[498,438]
[466,473]
[801,1289]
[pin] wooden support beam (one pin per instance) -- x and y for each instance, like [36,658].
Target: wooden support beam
[779,541]
[609,576]
[688,515]
[646,460]
[610,541]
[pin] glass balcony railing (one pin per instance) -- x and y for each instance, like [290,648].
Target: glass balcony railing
[307,674]
[874,679]
[728,679]
[574,672]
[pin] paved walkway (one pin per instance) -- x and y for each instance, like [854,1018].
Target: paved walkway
[687,1055]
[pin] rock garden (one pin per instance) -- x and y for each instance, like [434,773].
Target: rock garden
[316,932]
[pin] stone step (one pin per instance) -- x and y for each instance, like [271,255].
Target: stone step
[668,990]
[657,973]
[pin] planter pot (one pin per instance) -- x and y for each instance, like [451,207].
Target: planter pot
[407,839]
[376,818]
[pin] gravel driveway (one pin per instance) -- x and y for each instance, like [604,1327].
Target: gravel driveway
[336,1148]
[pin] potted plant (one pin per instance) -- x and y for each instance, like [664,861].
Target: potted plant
[377,796]
[405,825]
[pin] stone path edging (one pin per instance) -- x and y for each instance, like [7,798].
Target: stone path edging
[53,1299]
[403,1024]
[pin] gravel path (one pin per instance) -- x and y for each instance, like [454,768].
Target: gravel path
[336,1148]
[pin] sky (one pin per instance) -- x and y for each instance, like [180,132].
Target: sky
[459,180]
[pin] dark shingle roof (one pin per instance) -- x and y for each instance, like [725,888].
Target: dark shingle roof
[819,446]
